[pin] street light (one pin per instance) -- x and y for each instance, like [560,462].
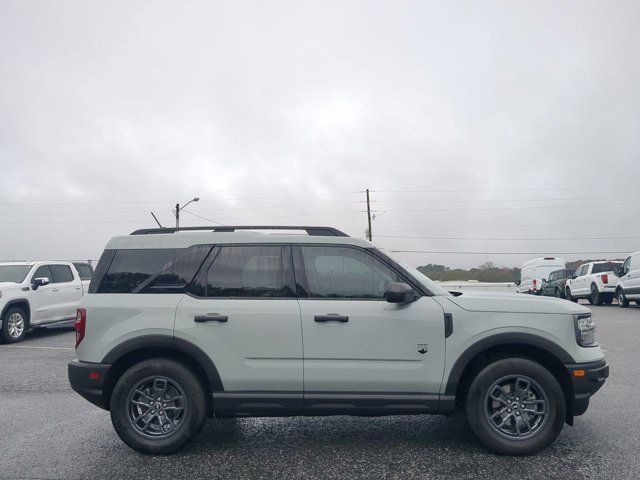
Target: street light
[178,208]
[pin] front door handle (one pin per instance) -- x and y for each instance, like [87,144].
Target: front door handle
[331,317]
[210,317]
[54,290]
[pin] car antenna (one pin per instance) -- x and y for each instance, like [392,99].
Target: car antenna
[154,217]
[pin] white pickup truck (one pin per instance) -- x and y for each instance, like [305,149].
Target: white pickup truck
[595,281]
[39,294]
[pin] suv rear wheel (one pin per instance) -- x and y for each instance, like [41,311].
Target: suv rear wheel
[515,407]
[595,298]
[569,297]
[157,406]
[14,325]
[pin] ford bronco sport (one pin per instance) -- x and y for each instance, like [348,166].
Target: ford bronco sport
[184,324]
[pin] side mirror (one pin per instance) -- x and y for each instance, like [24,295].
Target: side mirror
[398,292]
[573,277]
[517,282]
[544,280]
[618,271]
[39,282]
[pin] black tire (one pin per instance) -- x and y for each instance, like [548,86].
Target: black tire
[595,298]
[608,300]
[14,325]
[622,299]
[637,302]
[178,379]
[558,293]
[550,425]
[569,297]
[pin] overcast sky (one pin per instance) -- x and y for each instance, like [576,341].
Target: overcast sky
[489,123]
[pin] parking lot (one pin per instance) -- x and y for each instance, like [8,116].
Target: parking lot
[47,431]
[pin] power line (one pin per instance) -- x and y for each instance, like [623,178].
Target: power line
[625,220]
[527,207]
[499,189]
[505,253]
[203,218]
[509,239]
[222,199]
[554,199]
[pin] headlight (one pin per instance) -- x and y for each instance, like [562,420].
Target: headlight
[585,329]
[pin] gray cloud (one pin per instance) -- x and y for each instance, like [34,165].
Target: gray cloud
[112,102]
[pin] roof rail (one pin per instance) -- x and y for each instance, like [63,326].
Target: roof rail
[315,231]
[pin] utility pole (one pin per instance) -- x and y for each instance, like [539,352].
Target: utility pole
[178,208]
[369,233]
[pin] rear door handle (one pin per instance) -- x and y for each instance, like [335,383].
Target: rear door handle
[78,287]
[331,317]
[210,317]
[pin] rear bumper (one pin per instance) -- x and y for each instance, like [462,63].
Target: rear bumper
[587,379]
[87,379]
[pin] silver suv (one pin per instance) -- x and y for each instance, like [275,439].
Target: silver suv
[180,325]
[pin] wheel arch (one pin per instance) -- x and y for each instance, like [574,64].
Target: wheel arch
[145,347]
[21,303]
[533,347]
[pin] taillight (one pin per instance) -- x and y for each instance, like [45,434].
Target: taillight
[535,283]
[81,325]
[605,278]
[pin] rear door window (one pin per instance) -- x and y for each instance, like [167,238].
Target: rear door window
[248,271]
[61,273]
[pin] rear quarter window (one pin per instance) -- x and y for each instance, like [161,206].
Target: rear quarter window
[167,270]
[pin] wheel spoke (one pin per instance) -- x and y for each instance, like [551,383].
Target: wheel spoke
[522,388]
[141,393]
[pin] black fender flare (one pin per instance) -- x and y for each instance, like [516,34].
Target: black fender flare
[20,301]
[480,346]
[168,342]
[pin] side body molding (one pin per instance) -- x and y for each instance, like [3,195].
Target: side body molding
[507,339]
[166,342]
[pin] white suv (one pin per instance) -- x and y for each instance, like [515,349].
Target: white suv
[224,322]
[39,294]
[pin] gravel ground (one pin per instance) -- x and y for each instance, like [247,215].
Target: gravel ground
[48,431]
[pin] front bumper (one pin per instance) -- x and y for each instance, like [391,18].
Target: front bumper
[87,379]
[587,379]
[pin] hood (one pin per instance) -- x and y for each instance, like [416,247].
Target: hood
[8,285]
[516,303]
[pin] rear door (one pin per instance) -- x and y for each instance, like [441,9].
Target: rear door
[633,281]
[359,350]
[68,291]
[242,312]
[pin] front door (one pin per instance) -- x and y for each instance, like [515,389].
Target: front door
[44,299]
[361,352]
[243,313]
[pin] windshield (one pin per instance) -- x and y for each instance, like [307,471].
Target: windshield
[13,273]
[606,267]
[432,286]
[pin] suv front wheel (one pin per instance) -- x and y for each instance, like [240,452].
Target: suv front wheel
[516,407]
[157,406]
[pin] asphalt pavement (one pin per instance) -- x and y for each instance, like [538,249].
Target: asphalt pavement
[49,432]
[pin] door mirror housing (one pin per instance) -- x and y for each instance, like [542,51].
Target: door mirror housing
[399,292]
[39,282]
[544,280]
[517,282]
[618,272]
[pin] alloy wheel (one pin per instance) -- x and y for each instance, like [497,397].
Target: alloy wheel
[156,407]
[15,325]
[516,407]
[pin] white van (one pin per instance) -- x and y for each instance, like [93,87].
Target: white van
[535,271]
[628,287]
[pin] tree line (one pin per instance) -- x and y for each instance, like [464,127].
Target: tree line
[487,272]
